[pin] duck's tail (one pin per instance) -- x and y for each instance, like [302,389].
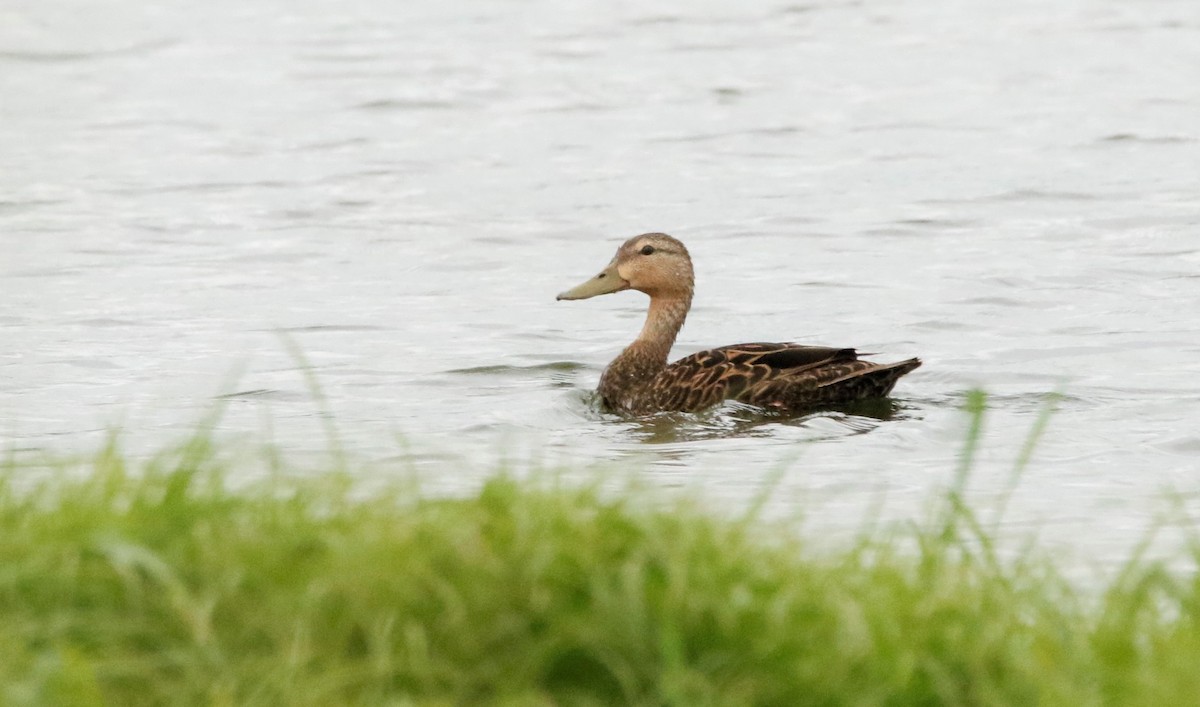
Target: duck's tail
[874,382]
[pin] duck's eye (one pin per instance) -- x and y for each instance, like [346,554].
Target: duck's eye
[647,250]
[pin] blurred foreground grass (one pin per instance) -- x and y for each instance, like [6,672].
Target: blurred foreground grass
[158,585]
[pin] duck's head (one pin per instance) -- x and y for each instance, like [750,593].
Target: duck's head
[654,263]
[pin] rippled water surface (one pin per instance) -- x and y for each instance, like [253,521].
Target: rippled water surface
[1009,190]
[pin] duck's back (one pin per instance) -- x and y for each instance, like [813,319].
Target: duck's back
[779,376]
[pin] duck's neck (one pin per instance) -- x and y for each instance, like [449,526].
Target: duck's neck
[663,322]
[647,355]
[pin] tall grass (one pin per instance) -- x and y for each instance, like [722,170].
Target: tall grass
[158,585]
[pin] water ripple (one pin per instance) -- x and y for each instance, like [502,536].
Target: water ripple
[44,56]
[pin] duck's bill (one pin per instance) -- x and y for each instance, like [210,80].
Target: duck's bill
[606,282]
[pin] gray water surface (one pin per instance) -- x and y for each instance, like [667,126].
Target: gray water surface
[1009,190]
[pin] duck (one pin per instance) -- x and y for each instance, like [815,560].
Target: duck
[778,377]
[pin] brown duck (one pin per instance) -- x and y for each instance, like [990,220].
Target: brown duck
[784,377]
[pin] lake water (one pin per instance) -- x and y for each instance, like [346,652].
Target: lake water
[1009,190]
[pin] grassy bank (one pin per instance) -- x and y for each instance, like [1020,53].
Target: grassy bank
[157,586]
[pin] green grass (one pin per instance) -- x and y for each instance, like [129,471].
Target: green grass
[158,585]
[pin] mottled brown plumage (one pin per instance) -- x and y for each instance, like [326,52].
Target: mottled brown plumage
[785,377]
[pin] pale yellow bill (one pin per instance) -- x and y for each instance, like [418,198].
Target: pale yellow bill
[604,283]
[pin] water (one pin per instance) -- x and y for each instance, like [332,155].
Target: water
[1009,190]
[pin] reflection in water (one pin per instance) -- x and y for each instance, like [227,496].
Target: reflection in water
[733,419]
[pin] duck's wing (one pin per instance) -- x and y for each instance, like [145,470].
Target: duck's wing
[707,377]
[773,375]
